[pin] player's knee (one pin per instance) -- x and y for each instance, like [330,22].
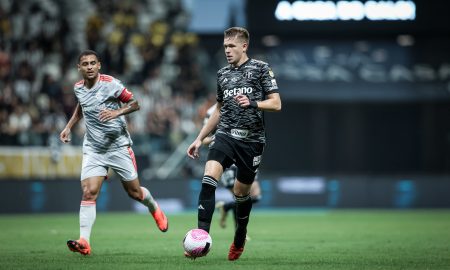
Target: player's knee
[256,198]
[89,194]
[240,191]
[240,194]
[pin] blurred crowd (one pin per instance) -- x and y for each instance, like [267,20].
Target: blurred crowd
[143,43]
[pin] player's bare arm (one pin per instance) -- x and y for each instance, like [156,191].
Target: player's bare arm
[210,125]
[208,140]
[76,116]
[131,106]
[272,103]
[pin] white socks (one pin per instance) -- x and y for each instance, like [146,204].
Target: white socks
[87,218]
[148,200]
[88,213]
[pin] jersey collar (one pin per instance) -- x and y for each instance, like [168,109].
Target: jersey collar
[95,84]
[239,67]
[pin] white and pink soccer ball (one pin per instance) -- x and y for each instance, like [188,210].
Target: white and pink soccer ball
[197,243]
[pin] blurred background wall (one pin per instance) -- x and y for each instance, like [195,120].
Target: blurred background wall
[365,90]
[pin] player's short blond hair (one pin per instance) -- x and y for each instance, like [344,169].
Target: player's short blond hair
[239,32]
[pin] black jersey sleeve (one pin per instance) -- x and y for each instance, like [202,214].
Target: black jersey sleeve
[268,81]
[219,95]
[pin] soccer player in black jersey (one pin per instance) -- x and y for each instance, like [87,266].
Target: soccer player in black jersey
[245,88]
[227,180]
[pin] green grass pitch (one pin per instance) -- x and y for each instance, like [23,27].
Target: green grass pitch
[302,239]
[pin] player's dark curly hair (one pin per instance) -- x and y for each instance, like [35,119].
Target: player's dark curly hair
[238,32]
[88,52]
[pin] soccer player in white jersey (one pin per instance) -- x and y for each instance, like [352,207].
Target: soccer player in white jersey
[102,102]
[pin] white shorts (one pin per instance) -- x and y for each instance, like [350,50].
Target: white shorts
[122,161]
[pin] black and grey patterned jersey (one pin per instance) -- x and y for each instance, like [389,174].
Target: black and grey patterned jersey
[255,79]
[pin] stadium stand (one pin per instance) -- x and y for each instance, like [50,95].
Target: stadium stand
[143,43]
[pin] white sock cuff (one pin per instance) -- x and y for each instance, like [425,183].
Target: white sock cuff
[87,203]
[209,180]
[241,199]
[145,193]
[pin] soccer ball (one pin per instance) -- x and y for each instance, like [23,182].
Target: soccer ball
[197,243]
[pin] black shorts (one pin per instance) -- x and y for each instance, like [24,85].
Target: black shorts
[229,175]
[245,155]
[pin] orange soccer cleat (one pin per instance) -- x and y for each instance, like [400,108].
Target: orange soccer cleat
[81,245]
[235,252]
[161,219]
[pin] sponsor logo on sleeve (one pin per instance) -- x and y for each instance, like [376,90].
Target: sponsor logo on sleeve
[274,84]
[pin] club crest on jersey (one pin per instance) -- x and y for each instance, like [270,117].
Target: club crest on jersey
[248,74]
[271,73]
[98,95]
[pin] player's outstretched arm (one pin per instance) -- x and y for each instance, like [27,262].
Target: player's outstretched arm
[272,103]
[192,150]
[208,140]
[64,136]
[131,105]
[210,125]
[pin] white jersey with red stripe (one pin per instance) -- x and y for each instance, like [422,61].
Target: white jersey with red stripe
[107,93]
